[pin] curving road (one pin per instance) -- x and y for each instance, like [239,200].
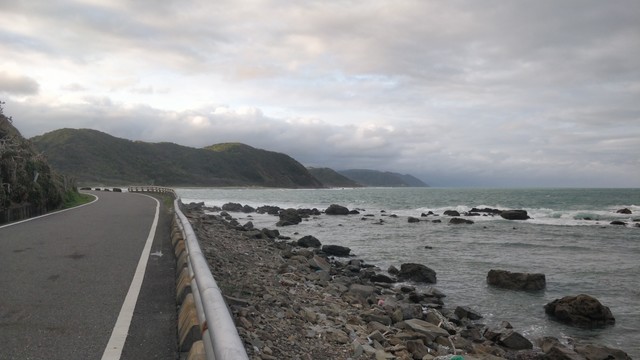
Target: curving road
[64,279]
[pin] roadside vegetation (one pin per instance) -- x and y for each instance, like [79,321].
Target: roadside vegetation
[28,185]
[74,198]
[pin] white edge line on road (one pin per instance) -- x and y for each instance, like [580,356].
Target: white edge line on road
[52,213]
[114,348]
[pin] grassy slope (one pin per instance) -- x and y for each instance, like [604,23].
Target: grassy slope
[93,157]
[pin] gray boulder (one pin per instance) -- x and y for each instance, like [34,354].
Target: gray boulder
[516,281]
[581,311]
[235,207]
[334,209]
[309,241]
[515,215]
[381,278]
[336,250]
[289,217]
[515,341]
[600,352]
[463,312]
[451,213]
[417,273]
[457,221]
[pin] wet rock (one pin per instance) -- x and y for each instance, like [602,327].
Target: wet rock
[600,352]
[624,211]
[451,213]
[335,209]
[516,281]
[289,217]
[248,226]
[486,210]
[320,263]
[457,221]
[381,278]
[271,234]
[412,219]
[393,270]
[309,241]
[268,209]
[463,312]
[336,250]
[515,214]
[554,350]
[582,311]
[417,273]
[618,222]
[233,207]
[515,341]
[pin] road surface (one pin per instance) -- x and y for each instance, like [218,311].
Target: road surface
[64,279]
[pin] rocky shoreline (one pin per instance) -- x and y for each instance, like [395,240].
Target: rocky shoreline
[299,299]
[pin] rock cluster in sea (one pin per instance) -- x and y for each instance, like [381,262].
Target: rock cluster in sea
[300,299]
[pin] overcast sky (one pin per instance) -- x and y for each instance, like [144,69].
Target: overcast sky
[457,93]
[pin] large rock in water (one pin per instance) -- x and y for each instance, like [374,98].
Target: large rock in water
[334,209]
[235,207]
[581,311]
[289,217]
[515,214]
[336,250]
[417,273]
[516,281]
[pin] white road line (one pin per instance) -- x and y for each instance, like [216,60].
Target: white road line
[121,329]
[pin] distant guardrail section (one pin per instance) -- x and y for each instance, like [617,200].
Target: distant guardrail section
[205,327]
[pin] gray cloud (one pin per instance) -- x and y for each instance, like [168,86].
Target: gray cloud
[458,92]
[17,84]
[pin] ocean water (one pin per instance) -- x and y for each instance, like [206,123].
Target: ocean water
[569,239]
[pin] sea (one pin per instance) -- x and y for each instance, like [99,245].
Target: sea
[569,238]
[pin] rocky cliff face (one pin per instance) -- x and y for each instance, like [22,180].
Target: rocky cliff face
[28,186]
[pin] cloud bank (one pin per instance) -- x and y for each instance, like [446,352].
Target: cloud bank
[458,93]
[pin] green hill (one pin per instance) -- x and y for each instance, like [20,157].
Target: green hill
[93,157]
[332,178]
[382,179]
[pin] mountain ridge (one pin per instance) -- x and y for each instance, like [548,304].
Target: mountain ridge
[376,178]
[94,157]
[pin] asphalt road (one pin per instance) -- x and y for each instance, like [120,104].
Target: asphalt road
[64,278]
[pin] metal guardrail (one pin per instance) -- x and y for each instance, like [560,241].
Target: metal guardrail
[219,333]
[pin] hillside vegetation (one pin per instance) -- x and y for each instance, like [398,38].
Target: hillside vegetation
[29,187]
[332,178]
[93,157]
[382,178]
